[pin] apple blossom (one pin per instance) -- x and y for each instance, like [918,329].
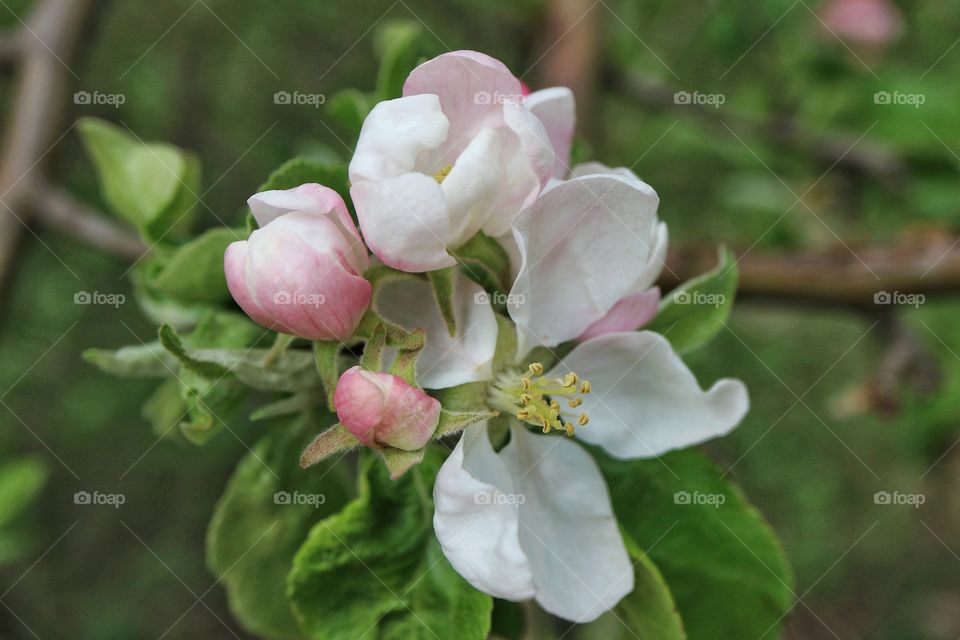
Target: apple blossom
[459,153]
[380,409]
[589,249]
[301,272]
[868,23]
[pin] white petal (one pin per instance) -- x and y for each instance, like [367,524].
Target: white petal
[584,245]
[556,109]
[476,525]
[394,133]
[404,221]
[444,361]
[645,401]
[567,528]
[473,185]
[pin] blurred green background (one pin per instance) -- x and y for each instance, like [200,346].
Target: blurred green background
[834,419]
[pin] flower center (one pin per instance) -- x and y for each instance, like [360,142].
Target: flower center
[535,399]
[443,173]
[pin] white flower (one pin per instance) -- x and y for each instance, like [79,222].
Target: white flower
[457,154]
[534,519]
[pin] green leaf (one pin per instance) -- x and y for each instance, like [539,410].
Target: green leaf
[148,185]
[375,570]
[165,408]
[647,612]
[399,45]
[298,171]
[262,519]
[194,273]
[444,287]
[20,482]
[723,564]
[295,403]
[693,313]
[137,361]
[349,107]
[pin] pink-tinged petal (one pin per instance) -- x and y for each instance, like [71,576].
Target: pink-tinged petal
[234,266]
[472,188]
[405,221]
[300,272]
[445,361]
[472,88]
[644,400]
[556,109]
[396,135]
[380,409]
[583,245]
[874,23]
[629,314]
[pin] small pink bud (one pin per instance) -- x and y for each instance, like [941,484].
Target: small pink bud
[380,409]
[301,272]
[868,23]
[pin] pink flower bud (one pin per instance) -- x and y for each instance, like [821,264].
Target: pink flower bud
[380,409]
[868,23]
[301,272]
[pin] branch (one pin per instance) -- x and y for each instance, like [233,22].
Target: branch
[46,42]
[829,148]
[928,264]
[59,210]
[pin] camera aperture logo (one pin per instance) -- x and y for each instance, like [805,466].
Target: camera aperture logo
[896,498]
[298,98]
[714,100]
[914,100]
[96,297]
[715,500]
[498,498]
[499,298]
[715,300]
[903,299]
[97,98]
[302,499]
[115,500]
[299,298]
[486,97]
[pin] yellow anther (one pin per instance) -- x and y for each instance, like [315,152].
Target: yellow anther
[525,384]
[585,386]
[443,173]
[575,402]
[555,405]
[583,419]
[569,380]
[536,368]
[569,429]
[523,414]
[525,399]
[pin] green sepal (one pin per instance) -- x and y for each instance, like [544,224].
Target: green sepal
[326,358]
[372,358]
[334,440]
[443,283]
[399,461]
[452,422]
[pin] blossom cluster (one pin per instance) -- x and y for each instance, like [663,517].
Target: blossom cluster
[468,152]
